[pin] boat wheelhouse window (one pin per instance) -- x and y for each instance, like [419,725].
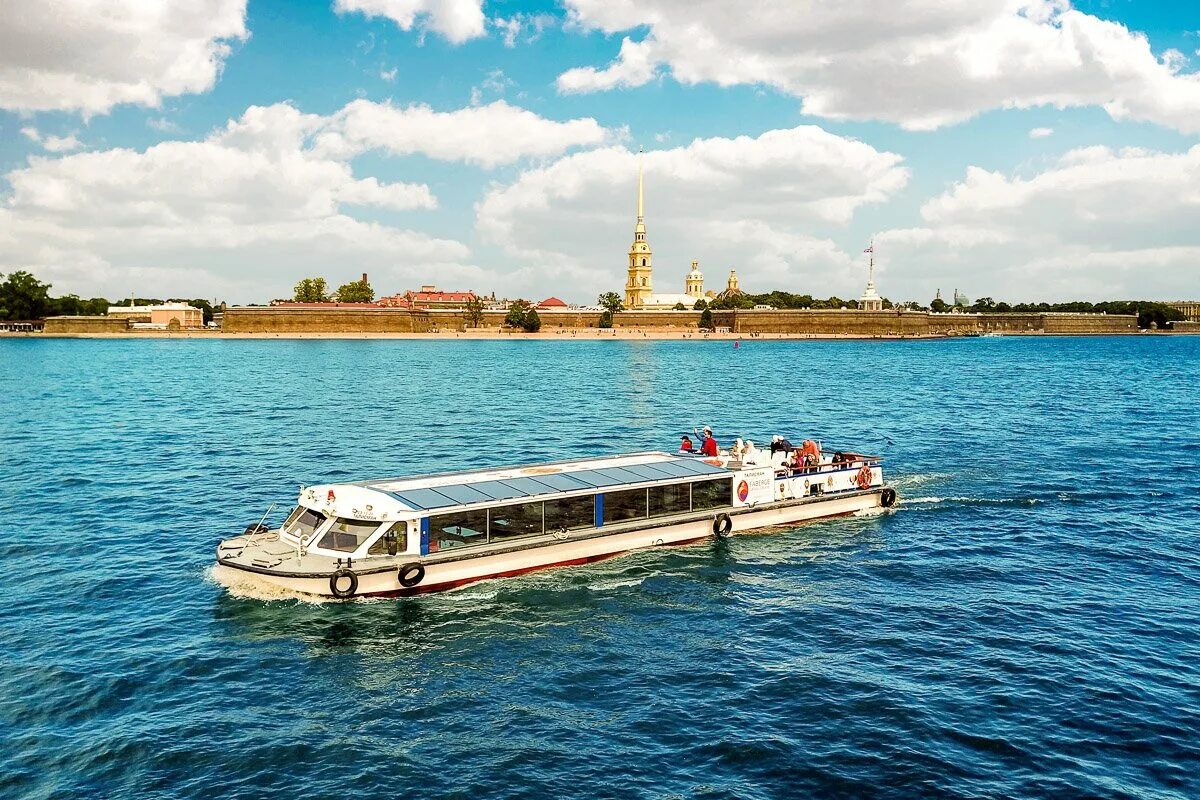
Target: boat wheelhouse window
[712,494]
[511,522]
[620,506]
[347,534]
[399,531]
[304,521]
[458,529]
[571,513]
[671,499]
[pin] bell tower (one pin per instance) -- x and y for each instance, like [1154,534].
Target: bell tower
[693,284]
[638,285]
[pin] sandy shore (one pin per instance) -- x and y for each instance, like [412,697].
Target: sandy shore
[556,334]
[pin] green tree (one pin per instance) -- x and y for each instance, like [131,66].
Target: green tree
[679,307]
[312,290]
[473,311]
[358,291]
[532,323]
[611,302]
[23,296]
[939,306]
[706,319]
[700,305]
[515,318]
[606,320]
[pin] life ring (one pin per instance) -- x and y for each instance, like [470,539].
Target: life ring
[257,527]
[342,594]
[411,574]
[863,479]
[722,525]
[887,498]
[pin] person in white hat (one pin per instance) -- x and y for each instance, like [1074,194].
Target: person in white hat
[708,445]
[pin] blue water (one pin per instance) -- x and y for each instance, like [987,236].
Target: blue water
[1026,624]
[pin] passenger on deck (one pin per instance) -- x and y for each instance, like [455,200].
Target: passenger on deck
[708,445]
[686,446]
[752,454]
[810,453]
[780,445]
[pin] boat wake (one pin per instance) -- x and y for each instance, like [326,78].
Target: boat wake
[972,501]
[245,587]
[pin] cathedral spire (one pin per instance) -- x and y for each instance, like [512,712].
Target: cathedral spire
[641,211]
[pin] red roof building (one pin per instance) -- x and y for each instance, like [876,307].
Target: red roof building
[552,302]
[428,297]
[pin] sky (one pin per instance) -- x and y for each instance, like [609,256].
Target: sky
[1025,150]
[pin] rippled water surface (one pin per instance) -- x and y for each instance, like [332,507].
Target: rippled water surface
[1026,624]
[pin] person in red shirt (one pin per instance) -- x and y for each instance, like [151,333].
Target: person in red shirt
[708,445]
[686,446]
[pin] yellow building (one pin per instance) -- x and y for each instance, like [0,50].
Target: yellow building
[639,282]
[693,284]
[638,285]
[160,316]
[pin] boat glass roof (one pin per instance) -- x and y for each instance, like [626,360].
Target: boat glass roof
[482,487]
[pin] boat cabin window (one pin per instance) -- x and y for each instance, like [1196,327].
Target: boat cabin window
[621,506]
[712,494]
[303,522]
[571,513]
[398,533]
[511,522]
[457,529]
[347,534]
[675,498]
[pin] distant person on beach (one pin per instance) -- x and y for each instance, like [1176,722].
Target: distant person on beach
[708,445]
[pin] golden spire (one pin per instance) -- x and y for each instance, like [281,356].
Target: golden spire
[641,158]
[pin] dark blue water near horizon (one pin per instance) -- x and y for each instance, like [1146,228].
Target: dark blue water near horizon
[1026,624]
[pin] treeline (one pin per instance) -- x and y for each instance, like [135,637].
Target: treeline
[22,296]
[778,299]
[1146,311]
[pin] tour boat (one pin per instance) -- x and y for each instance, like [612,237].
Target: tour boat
[404,536]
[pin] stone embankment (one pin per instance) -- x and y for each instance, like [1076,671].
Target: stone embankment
[268,320]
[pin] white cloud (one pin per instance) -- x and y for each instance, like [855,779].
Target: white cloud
[922,64]
[1098,224]
[51,143]
[749,203]
[531,25]
[389,75]
[75,56]
[456,20]
[1041,133]
[487,135]
[259,202]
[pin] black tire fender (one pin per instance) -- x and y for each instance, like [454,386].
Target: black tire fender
[887,498]
[410,574]
[343,594]
[257,527]
[722,525]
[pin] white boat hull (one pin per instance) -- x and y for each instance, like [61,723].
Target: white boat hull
[449,570]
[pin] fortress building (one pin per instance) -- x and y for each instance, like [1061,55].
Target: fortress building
[639,283]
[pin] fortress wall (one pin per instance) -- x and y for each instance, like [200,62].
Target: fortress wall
[794,322]
[323,320]
[827,322]
[96,324]
[1089,323]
